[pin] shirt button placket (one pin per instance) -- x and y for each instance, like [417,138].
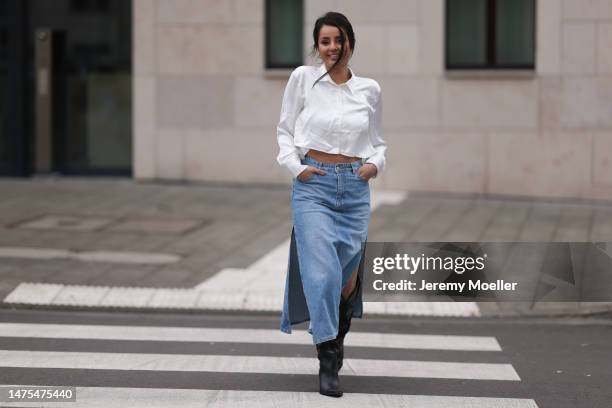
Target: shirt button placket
[341,115]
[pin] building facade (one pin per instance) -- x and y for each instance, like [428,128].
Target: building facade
[206,91]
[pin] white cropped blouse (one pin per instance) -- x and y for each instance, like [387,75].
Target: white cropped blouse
[340,119]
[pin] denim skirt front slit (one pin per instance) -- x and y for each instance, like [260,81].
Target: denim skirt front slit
[330,214]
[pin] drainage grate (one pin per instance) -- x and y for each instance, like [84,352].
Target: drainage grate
[157,225]
[65,222]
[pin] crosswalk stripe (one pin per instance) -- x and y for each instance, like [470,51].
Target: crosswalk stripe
[102,397]
[159,333]
[252,364]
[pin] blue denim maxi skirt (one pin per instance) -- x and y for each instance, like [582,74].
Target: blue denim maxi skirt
[330,224]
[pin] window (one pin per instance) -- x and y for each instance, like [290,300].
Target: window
[284,38]
[490,34]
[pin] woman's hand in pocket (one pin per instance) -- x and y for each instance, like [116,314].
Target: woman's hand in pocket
[308,172]
[367,171]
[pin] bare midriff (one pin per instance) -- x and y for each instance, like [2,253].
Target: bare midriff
[329,157]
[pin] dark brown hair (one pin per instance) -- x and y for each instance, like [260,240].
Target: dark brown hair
[339,21]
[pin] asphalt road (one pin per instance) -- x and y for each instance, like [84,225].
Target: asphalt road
[155,359]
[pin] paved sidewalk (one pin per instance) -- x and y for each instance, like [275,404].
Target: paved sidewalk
[95,242]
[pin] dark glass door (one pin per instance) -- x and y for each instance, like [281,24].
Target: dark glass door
[90,84]
[13,134]
[87,118]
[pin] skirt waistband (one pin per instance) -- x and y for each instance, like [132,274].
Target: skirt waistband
[352,166]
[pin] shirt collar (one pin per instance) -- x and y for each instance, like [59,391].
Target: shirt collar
[350,83]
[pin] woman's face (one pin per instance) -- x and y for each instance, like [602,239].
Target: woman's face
[330,44]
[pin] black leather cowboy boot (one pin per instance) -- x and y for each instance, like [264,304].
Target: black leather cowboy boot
[329,384]
[346,313]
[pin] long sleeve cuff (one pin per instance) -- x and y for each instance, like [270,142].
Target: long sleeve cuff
[293,164]
[296,168]
[379,161]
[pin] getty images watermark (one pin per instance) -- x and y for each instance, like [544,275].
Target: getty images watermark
[412,264]
[487,271]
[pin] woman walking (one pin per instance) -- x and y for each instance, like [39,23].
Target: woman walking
[330,140]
